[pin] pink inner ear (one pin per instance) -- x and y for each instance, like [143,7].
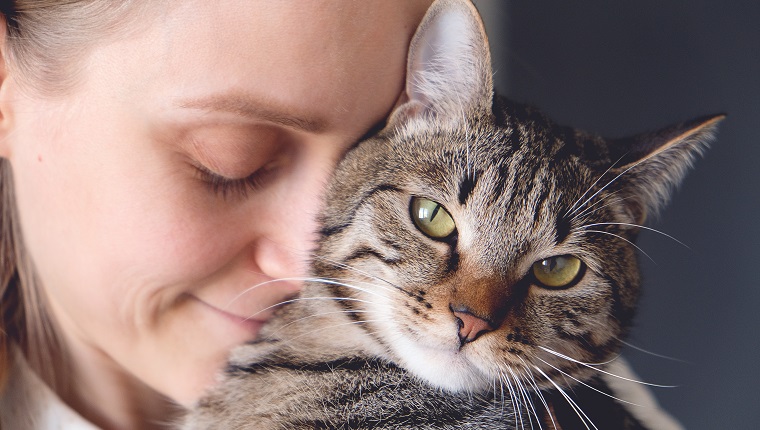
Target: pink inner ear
[449,67]
[442,46]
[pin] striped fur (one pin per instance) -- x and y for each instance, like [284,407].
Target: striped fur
[373,341]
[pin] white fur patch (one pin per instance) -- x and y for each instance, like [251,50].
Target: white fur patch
[447,369]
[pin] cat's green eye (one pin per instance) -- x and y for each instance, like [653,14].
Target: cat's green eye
[431,218]
[557,272]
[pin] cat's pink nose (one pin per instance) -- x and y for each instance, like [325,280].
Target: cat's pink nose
[470,326]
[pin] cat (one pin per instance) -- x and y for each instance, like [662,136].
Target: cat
[474,258]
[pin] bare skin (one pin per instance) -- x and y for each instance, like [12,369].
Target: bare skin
[145,252]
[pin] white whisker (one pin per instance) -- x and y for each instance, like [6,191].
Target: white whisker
[593,208]
[537,390]
[571,210]
[299,299]
[613,179]
[271,281]
[526,398]
[637,226]
[359,271]
[515,400]
[322,314]
[333,326]
[630,345]
[354,286]
[621,238]
[503,400]
[560,355]
[587,385]
[577,409]
[302,279]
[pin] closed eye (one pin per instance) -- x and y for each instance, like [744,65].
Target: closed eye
[237,188]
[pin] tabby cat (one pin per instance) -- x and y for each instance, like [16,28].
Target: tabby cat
[476,267]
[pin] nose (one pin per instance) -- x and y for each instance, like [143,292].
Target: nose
[283,247]
[279,260]
[286,218]
[471,326]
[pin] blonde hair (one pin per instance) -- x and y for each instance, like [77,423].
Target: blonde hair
[45,41]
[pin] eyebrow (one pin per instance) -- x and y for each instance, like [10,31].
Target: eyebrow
[248,107]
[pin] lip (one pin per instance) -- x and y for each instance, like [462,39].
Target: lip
[252,325]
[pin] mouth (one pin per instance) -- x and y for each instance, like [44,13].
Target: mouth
[250,324]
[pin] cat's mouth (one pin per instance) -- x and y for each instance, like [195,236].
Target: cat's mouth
[445,363]
[459,357]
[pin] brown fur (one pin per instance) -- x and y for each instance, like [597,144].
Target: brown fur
[380,312]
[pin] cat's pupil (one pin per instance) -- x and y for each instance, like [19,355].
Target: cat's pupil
[552,263]
[435,212]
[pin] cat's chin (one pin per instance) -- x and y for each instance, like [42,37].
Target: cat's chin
[449,369]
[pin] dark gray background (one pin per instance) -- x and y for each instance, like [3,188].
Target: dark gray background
[622,67]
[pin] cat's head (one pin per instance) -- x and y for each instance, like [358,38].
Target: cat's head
[482,241]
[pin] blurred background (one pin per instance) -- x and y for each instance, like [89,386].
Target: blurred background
[618,68]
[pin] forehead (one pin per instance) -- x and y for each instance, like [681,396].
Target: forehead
[332,60]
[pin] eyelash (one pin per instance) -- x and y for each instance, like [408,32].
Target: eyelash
[226,187]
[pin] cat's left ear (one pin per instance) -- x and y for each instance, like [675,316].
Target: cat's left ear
[653,164]
[448,67]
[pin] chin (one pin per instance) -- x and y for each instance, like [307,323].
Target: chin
[188,382]
[448,368]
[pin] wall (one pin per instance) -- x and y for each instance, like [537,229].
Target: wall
[622,67]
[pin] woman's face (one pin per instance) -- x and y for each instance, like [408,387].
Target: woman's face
[186,168]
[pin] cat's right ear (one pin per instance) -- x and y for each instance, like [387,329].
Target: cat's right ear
[653,164]
[449,76]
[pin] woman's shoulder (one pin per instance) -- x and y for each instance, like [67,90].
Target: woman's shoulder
[26,403]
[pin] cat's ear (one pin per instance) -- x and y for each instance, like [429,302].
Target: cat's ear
[449,66]
[653,164]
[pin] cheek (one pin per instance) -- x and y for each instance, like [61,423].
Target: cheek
[105,223]
[578,321]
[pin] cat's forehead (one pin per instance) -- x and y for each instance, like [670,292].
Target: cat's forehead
[501,162]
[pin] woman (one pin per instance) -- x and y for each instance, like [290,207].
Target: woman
[157,159]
